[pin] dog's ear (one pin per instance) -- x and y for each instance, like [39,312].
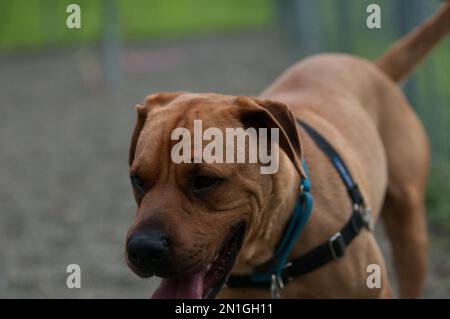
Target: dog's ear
[140,121]
[151,102]
[265,113]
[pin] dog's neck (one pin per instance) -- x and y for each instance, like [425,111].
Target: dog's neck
[266,231]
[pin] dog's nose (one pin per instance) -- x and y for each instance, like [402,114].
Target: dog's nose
[144,249]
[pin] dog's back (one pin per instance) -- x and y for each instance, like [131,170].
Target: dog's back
[408,157]
[355,100]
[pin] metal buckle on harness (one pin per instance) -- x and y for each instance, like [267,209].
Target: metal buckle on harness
[337,245]
[366,214]
[276,285]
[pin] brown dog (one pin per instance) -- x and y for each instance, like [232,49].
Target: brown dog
[198,222]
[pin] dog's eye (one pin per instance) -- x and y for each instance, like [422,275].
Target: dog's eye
[138,183]
[201,183]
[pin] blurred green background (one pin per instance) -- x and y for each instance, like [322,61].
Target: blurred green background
[66,115]
[139,19]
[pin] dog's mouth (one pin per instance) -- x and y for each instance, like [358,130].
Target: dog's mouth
[206,283]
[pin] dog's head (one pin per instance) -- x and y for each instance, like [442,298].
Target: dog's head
[193,216]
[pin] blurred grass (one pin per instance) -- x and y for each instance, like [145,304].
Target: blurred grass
[37,24]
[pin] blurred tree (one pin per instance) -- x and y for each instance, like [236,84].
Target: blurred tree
[344,25]
[407,15]
[300,21]
[111,43]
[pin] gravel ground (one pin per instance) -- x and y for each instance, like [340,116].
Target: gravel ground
[64,190]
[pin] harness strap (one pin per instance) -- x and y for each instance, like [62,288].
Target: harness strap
[332,249]
[338,163]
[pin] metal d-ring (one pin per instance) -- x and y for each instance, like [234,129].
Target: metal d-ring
[276,285]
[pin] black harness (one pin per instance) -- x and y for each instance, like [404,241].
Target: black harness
[332,249]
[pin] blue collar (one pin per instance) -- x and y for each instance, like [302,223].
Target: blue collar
[274,268]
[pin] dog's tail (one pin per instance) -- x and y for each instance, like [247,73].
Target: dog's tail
[401,59]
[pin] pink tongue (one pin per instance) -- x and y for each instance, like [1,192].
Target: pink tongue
[190,287]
